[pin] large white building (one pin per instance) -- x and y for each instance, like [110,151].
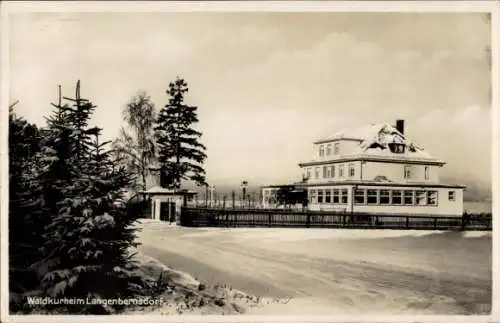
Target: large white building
[374,169]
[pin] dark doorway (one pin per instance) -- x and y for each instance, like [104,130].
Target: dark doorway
[167,211]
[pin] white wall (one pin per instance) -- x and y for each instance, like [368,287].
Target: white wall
[337,177]
[395,172]
[345,147]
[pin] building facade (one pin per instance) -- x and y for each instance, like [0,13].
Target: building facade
[374,169]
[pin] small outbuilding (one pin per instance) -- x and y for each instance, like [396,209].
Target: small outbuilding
[166,203]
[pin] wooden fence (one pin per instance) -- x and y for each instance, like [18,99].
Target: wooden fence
[216,217]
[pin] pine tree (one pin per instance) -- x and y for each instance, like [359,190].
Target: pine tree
[180,154]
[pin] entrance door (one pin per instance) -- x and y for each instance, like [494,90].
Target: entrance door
[167,211]
[172,211]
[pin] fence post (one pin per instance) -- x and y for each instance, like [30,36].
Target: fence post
[435,223]
[232,196]
[407,222]
[270,219]
[343,220]
[308,220]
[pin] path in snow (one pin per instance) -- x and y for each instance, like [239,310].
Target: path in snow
[336,271]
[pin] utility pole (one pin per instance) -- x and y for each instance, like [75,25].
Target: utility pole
[206,195]
[244,185]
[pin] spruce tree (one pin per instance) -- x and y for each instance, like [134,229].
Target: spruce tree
[27,216]
[180,153]
[86,245]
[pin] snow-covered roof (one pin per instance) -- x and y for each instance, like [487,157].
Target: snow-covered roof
[364,132]
[158,190]
[374,141]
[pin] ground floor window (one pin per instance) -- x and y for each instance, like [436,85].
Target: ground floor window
[384,197]
[320,196]
[359,196]
[421,198]
[432,197]
[344,197]
[336,196]
[374,196]
[408,198]
[328,196]
[396,197]
[313,196]
[371,197]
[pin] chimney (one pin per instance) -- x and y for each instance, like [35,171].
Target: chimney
[400,126]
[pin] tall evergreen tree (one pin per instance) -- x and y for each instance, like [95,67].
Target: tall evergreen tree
[86,245]
[180,153]
[27,216]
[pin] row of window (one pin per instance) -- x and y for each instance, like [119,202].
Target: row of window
[378,196]
[335,196]
[395,197]
[328,151]
[331,171]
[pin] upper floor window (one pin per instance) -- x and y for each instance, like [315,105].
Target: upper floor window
[332,171]
[351,170]
[336,147]
[407,172]
[341,170]
[397,148]
[308,173]
[316,172]
[325,170]
[329,149]
[321,150]
[328,172]
[451,195]
[426,172]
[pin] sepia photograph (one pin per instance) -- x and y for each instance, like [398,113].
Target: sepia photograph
[247,162]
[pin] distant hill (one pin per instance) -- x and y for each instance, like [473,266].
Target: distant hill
[475,191]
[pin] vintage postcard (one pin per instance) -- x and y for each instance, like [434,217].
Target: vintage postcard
[328,161]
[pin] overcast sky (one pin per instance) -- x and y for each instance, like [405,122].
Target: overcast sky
[268,84]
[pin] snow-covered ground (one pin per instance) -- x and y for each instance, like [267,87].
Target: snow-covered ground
[330,271]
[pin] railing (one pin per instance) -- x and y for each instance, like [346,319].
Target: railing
[218,217]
